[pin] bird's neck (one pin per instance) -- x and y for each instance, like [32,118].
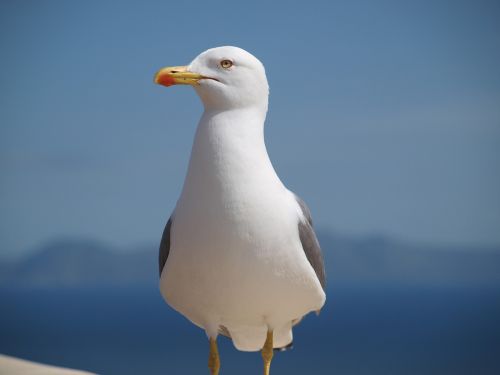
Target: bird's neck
[228,153]
[237,133]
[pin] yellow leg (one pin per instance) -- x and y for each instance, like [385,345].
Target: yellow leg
[267,352]
[213,358]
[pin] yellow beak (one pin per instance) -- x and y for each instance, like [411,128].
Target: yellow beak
[177,75]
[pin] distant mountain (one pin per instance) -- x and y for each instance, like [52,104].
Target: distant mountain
[383,260]
[366,261]
[77,262]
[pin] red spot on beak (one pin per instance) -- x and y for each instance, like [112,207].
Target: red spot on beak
[164,79]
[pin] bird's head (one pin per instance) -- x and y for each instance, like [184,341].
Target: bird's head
[224,78]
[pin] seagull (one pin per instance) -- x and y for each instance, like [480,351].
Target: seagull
[238,256]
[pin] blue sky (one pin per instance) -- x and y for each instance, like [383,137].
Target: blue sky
[384,116]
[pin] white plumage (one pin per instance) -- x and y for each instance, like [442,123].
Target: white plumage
[236,261]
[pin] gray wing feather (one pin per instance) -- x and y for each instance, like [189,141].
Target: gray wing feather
[310,243]
[164,245]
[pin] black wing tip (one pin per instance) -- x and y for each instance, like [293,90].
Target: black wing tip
[164,246]
[284,348]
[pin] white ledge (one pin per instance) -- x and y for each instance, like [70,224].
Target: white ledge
[15,366]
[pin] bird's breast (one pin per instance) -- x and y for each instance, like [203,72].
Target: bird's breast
[242,218]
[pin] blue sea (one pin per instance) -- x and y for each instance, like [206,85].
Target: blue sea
[361,330]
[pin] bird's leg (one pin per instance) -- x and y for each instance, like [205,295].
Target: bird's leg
[267,352]
[213,358]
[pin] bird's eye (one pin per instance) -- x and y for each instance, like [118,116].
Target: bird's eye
[226,64]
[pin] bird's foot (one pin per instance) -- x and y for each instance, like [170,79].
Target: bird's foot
[213,358]
[267,352]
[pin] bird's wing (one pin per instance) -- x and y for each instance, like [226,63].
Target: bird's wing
[164,245]
[310,243]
